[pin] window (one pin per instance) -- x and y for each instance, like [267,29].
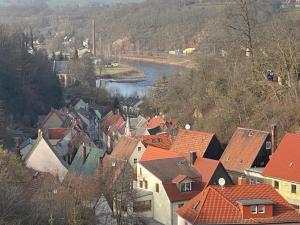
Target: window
[146,184]
[157,187]
[294,188]
[141,171]
[185,187]
[139,149]
[180,205]
[252,181]
[253,209]
[261,209]
[135,161]
[141,184]
[268,145]
[142,206]
[276,184]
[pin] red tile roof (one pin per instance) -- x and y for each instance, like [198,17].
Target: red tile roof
[162,140]
[190,140]
[243,149]
[155,121]
[285,162]
[154,153]
[112,121]
[219,206]
[207,168]
[57,133]
[122,151]
[175,195]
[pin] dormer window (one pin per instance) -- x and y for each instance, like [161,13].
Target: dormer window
[253,209]
[186,186]
[261,209]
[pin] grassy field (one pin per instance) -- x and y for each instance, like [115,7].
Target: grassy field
[122,71]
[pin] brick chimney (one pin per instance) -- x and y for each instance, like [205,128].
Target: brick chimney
[242,180]
[83,153]
[274,137]
[40,133]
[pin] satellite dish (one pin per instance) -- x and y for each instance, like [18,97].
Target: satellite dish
[221,181]
[187,127]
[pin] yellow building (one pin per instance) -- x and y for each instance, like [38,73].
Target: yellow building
[188,51]
[283,171]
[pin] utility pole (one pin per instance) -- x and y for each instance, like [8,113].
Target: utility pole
[94,38]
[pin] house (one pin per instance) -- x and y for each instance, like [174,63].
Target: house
[283,169]
[246,149]
[43,157]
[240,204]
[155,125]
[206,145]
[127,149]
[131,105]
[54,119]
[86,160]
[162,140]
[173,180]
[112,128]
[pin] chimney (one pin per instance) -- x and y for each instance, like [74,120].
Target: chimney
[274,138]
[193,157]
[40,133]
[83,153]
[242,181]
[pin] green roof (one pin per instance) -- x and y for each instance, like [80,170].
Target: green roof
[80,105]
[90,165]
[98,114]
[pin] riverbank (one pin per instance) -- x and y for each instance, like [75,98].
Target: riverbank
[183,61]
[122,71]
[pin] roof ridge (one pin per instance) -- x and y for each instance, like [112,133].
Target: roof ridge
[244,128]
[198,131]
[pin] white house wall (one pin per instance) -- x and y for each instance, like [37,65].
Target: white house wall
[161,203]
[44,160]
[182,221]
[137,154]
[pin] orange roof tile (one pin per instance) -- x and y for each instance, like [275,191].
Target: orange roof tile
[112,120]
[155,121]
[154,153]
[162,140]
[219,206]
[57,133]
[285,162]
[207,168]
[190,140]
[243,149]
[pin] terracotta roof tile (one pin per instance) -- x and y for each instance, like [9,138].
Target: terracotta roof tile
[219,206]
[207,168]
[155,121]
[243,149]
[112,120]
[162,140]
[190,140]
[57,133]
[175,195]
[285,162]
[154,153]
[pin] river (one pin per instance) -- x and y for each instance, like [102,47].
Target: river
[152,71]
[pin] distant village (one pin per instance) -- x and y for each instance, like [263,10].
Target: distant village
[180,176]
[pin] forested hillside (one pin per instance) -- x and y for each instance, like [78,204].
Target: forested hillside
[230,89]
[28,87]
